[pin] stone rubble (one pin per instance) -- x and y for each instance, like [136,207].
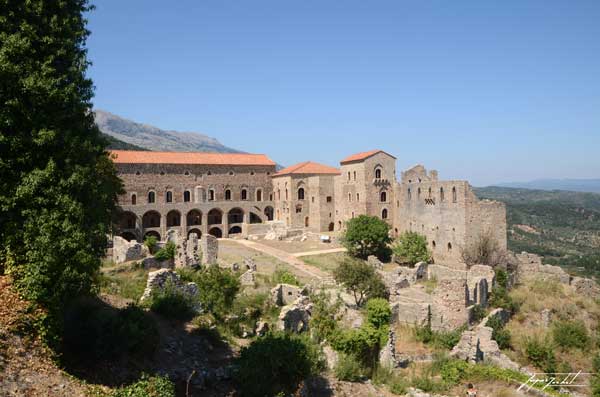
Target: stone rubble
[124,251]
[159,280]
[285,294]
[295,317]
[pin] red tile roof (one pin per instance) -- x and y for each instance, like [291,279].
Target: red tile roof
[141,157]
[362,156]
[308,167]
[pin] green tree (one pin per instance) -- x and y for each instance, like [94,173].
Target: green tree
[366,235]
[360,279]
[217,289]
[411,247]
[58,187]
[378,312]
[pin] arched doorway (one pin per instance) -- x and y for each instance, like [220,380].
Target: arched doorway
[215,231]
[128,220]
[235,230]
[129,236]
[151,219]
[255,218]
[153,234]
[235,215]
[194,218]
[173,218]
[196,231]
[331,227]
[269,213]
[215,217]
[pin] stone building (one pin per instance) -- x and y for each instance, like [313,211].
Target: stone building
[231,194]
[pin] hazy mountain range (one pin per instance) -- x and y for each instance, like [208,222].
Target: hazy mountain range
[574,185]
[127,134]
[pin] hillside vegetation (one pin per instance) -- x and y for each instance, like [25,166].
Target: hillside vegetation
[562,226]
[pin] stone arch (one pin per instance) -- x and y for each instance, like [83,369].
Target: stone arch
[378,171]
[269,212]
[151,219]
[215,231]
[300,193]
[235,230]
[254,218]
[331,227]
[215,217]
[173,218]
[194,217]
[235,215]
[195,230]
[153,234]
[128,220]
[129,236]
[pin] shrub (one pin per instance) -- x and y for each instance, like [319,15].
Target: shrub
[95,331]
[360,278]
[171,302]
[323,320]
[217,289]
[283,276]
[378,312]
[151,242]
[386,376]
[366,235]
[411,248]
[276,363]
[348,368]
[156,386]
[362,343]
[570,334]
[485,250]
[478,313]
[540,353]
[166,252]
[501,278]
[501,335]
[500,298]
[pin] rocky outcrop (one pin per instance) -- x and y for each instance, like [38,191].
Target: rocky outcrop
[586,287]
[248,279]
[124,251]
[295,317]
[531,267]
[285,294]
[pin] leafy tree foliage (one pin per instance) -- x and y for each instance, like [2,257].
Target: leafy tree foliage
[324,315]
[378,312]
[217,289]
[411,248]
[58,186]
[360,279]
[366,235]
[166,252]
[277,363]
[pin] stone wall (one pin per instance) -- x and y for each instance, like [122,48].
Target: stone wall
[124,251]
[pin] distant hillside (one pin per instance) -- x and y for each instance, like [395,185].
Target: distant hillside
[562,226]
[575,185]
[114,143]
[153,138]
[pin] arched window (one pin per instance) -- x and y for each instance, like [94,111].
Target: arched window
[286,194]
[211,195]
[441,194]
[259,195]
[409,194]
[348,175]
[378,173]
[357,197]
[169,198]
[151,197]
[244,194]
[354,175]
[433,243]
[384,213]
[449,247]
[278,194]
[187,196]
[227,194]
[133,199]
[429,193]
[306,222]
[454,195]
[383,197]
[349,196]
[301,194]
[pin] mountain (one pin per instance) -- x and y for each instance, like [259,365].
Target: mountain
[562,226]
[153,138]
[575,185]
[114,143]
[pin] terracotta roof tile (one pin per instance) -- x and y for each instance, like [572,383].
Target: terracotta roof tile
[308,167]
[141,157]
[362,156]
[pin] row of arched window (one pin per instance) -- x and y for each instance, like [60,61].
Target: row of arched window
[187,196]
[430,194]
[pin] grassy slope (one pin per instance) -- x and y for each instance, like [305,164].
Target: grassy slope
[114,143]
[562,226]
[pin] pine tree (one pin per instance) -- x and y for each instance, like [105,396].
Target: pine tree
[58,187]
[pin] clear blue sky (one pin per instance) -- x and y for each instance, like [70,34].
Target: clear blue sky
[480,90]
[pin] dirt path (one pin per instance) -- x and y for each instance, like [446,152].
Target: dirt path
[288,258]
[329,251]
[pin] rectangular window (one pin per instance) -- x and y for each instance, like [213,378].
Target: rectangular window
[329,199]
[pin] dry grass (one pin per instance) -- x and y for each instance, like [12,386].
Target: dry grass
[566,305]
[407,343]
[325,262]
[300,246]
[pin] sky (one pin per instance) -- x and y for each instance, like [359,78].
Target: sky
[479,90]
